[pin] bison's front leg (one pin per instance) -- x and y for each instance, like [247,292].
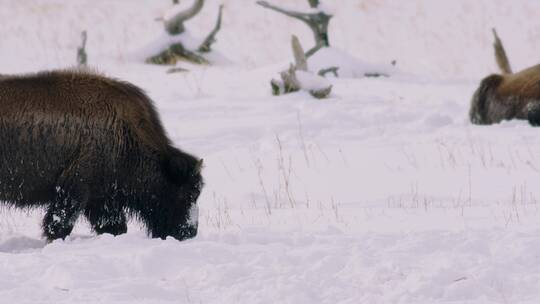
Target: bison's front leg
[533,114]
[63,212]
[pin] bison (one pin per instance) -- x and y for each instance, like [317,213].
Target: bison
[75,142]
[504,97]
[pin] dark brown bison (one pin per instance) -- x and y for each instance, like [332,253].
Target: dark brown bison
[75,142]
[504,97]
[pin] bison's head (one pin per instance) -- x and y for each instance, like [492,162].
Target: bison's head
[179,216]
[189,192]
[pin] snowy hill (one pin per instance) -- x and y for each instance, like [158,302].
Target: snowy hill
[383,193]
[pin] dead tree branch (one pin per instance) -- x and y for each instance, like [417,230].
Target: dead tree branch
[176,70]
[175,25]
[174,53]
[322,93]
[298,53]
[317,22]
[313,3]
[500,54]
[375,74]
[301,16]
[333,70]
[177,51]
[82,57]
[290,81]
[314,50]
[211,38]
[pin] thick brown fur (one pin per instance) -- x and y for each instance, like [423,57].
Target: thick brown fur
[76,142]
[505,97]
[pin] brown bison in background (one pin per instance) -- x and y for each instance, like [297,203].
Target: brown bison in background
[509,96]
[75,142]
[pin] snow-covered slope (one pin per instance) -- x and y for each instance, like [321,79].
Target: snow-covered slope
[436,37]
[383,193]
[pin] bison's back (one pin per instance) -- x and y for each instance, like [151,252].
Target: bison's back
[524,84]
[54,122]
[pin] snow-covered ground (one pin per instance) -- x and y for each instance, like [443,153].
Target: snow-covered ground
[383,193]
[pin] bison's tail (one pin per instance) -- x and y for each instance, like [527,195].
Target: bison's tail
[180,167]
[478,113]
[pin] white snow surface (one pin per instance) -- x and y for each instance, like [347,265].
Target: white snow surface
[382,193]
[309,81]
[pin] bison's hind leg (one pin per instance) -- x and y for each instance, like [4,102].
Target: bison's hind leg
[106,218]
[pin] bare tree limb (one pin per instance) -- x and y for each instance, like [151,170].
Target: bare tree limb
[320,94]
[277,86]
[313,3]
[332,70]
[317,22]
[375,74]
[211,38]
[314,49]
[500,54]
[290,82]
[176,70]
[301,16]
[319,26]
[175,53]
[298,53]
[82,57]
[175,25]
[297,77]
